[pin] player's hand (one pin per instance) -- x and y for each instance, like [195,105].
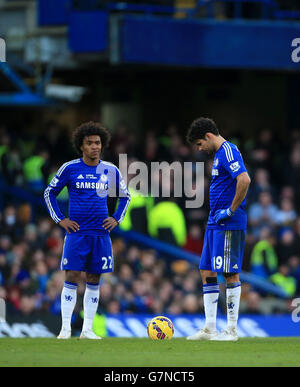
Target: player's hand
[69,225]
[109,223]
[222,215]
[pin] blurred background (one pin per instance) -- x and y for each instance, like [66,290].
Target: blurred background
[146,70]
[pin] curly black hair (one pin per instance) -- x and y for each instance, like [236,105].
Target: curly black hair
[199,128]
[90,129]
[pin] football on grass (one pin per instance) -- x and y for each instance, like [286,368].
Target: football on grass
[160,328]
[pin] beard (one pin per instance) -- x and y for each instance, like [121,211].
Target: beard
[210,152]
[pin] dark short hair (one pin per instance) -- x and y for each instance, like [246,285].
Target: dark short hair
[90,129]
[199,128]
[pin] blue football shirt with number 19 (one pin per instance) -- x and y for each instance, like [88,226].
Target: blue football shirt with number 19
[224,243]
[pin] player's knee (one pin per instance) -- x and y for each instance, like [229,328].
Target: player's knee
[208,277]
[231,277]
[211,280]
[92,278]
[73,276]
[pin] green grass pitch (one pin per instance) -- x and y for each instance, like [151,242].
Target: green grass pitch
[118,352]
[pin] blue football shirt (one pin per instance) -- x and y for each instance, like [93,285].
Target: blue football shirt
[228,164]
[89,187]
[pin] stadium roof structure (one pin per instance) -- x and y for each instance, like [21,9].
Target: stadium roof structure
[15,92]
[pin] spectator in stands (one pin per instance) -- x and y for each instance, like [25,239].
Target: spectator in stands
[36,171]
[294,265]
[175,308]
[44,226]
[167,223]
[136,217]
[261,183]
[40,273]
[142,297]
[153,150]
[178,150]
[262,213]
[27,305]
[126,275]
[52,299]
[287,192]
[133,258]
[124,141]
[191,304]
[285,281]
[13,298]
[189,285]
[4,148]
[293,172]
[113,307]
[252,303]
[194,242]
[53,139]
[286,216]
[286,246]
[52,262]
[54,242]
[4,269]
[5,244]
[264,260]
[148,259]
[297,233]
[262,153]
[12,224]
[10,163]
[107,294]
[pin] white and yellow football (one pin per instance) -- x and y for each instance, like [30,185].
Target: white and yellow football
[160,328]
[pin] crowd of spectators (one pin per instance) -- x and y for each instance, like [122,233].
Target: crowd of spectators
[145,281]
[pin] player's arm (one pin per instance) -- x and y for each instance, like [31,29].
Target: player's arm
[242,186]
[124,199]
[53,189]
[233,163]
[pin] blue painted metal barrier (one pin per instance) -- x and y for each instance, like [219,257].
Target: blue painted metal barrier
[22,195]
[23,96]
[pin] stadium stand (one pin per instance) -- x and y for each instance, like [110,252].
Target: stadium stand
[144,280]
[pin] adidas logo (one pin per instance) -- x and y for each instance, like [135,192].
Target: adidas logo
[235,267]
[80,177]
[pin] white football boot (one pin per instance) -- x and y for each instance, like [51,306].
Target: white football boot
[203,334]
[64,334]
[89,334]
[230,334]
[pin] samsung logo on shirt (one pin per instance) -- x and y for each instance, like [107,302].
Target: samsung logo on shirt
[93,185]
